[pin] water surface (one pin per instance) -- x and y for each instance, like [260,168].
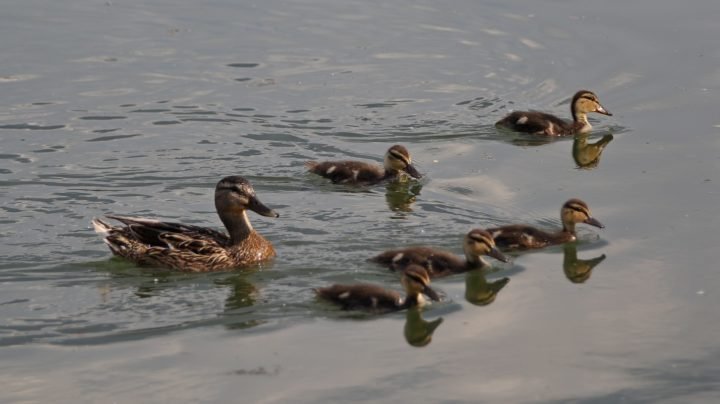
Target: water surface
[141,107]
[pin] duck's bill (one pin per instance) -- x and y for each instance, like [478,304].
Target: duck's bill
[594,222]
[259,208]
[601,110]
[495,253]
[412,171]
[431,293]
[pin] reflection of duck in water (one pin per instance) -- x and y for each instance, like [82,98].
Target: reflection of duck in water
[242,293]
[540,123]
[397,160]
[577,270]
[418,332]
[438,262]
[522,237]
[400,195]
[587,155]
[190,248]
[366,296]
[479,291]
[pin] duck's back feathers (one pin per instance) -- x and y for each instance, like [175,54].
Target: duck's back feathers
[354,172]
[535,122]
[362,296]
[520,236]
[437,262]
[148,231]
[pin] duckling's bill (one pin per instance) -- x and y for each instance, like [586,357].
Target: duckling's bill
[594,222]
[412,171]
[495,253]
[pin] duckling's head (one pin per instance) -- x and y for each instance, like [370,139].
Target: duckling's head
[416,280]
[235,194]
[397,159]
[584,102]
[577,211]
[478,242]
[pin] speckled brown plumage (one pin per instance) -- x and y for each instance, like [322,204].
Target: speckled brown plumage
[189,248]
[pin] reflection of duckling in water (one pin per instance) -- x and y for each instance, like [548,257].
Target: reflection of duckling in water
[587,155]
[419,332]
[577,270]
[400,195]
[375,298]
[479,291]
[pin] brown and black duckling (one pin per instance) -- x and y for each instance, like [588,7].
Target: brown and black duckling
[523,237]
[440,263]
[375,298]
[189,248]
[540,123]
[397,161]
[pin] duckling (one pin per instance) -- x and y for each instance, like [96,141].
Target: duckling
[587,155]
[522,237]
[397,160]
[540,123]
[441,263]
[189,248]
[375,298]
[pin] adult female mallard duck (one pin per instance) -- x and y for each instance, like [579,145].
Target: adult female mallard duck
[397,160]
[523,237]
[540,123]
[189,248]
[440,263]
[375,298]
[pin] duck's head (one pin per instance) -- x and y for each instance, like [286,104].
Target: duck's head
[478,242]
[585,101]
[576,211]
[235,194]
[397,159]
[416,280]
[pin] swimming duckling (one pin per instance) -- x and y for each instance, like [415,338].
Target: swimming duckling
[540,123]
[397,160]
[522,237]
[189,248]
[440,263]
[366,296]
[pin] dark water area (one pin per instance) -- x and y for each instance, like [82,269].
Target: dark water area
[139,108]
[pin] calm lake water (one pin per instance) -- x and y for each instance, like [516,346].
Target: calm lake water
[140,107]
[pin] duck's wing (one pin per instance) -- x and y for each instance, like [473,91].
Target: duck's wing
[149,231]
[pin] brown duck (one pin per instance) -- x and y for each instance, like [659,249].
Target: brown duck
[189,248]
[540,123]
[441,263]
[375,298]
[523,237]
[397,160]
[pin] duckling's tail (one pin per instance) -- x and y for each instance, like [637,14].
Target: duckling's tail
[311,165]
